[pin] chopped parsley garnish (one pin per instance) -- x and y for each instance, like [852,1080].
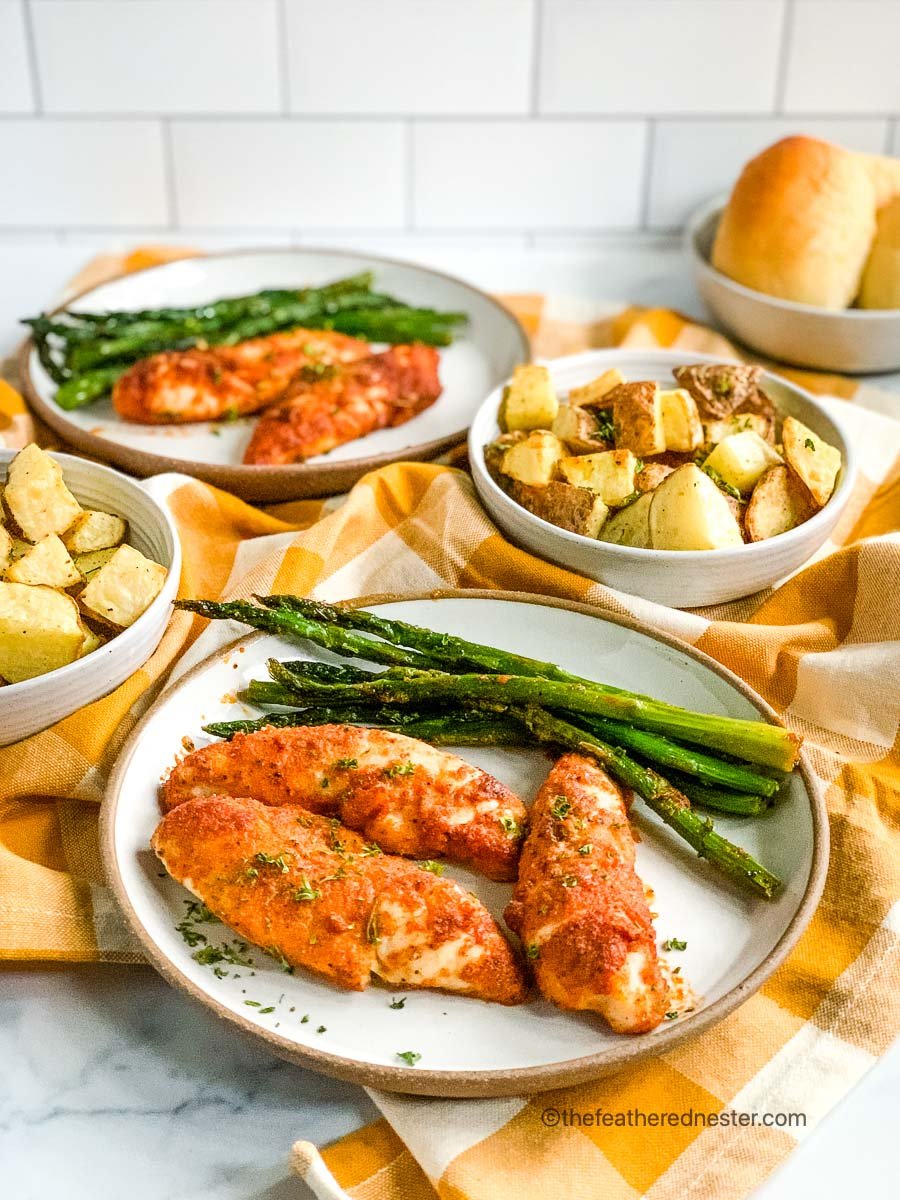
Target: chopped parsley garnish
[370,849]
[809,444]
[410,1057]
[324,782]
[306,891]
[251,873]
[407,768]
[398,1003]
[373,937]
[336,844]
[252,1003]
[271,860]
[428,864]
[269,1008]
[312,372]
[720,482]
[275,953]
[586,848]
[196,914]
[561,807]
[606,426]
[234,953]
[322,1029]
[670,1016]
[346,764]
[533,952]
[569,881]
[304,1020]
[674,944]
[509,825]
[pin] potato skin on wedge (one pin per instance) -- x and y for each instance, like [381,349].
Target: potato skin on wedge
[778,503]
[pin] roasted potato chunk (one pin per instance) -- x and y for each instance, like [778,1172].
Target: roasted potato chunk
[94,531]
[90,564]
[572,508]
[813,460]
[578,428]
[681,421]
[533,460]
[651,475]
[688,512]
[47,563]
[779,503]
[123,589]
[6,548]
[40,630]
[637,417]
[36,496]
[595,394]
[530,401]
[741,458]
[630,526]
[92,641]
[609,474]
[717,431]
[722,388]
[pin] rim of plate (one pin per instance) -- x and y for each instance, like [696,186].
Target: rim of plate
[510,1081]
[326,476]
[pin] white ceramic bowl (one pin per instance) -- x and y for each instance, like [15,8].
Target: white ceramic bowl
[849,339]
[34,704]
[678,578]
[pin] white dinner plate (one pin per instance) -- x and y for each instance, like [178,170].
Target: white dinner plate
[484,353]
[470,1047]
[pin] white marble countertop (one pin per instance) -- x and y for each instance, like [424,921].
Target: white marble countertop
[114,1085]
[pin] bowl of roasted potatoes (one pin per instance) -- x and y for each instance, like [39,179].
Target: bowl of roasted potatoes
[673,476]
[89,566]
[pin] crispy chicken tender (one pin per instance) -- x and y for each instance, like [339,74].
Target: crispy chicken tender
[579,905]
[202,385]
[306,889]
[318,414]
[404,794]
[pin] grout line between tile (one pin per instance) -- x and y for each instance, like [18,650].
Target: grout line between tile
[537,29]
[168,152]
[37,93]
[649,151]
[283,55]
[784,56]
[409,167]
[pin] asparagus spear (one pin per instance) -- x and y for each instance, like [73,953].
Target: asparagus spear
[82,390]
[754,741]
[665,800]
[294,627]
[739,804]
[440,729]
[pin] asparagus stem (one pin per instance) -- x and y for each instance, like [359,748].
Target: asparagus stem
[741,804]
[754,741]
[81,390]
[440,729]
[295,627]
[665,800]
[666,753]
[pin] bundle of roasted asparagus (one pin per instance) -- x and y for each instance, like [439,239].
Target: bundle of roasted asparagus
[447,690]
[85,353]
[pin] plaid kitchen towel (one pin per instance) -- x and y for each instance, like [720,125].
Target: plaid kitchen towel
[824,649]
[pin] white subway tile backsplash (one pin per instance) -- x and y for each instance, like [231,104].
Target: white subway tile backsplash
[528,174]
[300,174]
[406,56]
[15,79]
[844,57]
[151,56]
[694,160]
[82,173]
[659,56]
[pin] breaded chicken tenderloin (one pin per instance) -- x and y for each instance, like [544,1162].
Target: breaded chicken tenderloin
[402,793]
[579,906]
[312,892]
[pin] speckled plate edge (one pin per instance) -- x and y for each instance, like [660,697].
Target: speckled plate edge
[516,1081]
[264,485]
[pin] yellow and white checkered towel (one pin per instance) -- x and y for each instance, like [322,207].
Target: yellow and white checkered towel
[824,649]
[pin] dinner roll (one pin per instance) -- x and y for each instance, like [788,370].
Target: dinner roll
[799,223]
[881,278]
[885,175]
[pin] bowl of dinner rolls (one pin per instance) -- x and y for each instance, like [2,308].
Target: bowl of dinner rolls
[802,263]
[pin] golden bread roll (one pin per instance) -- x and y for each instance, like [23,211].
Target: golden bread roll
[799,223]
[881,277]
[885,175]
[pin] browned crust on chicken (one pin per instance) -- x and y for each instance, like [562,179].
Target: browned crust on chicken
[310,892]
[318,414]
[579,905]
[409,797]
[200,384]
